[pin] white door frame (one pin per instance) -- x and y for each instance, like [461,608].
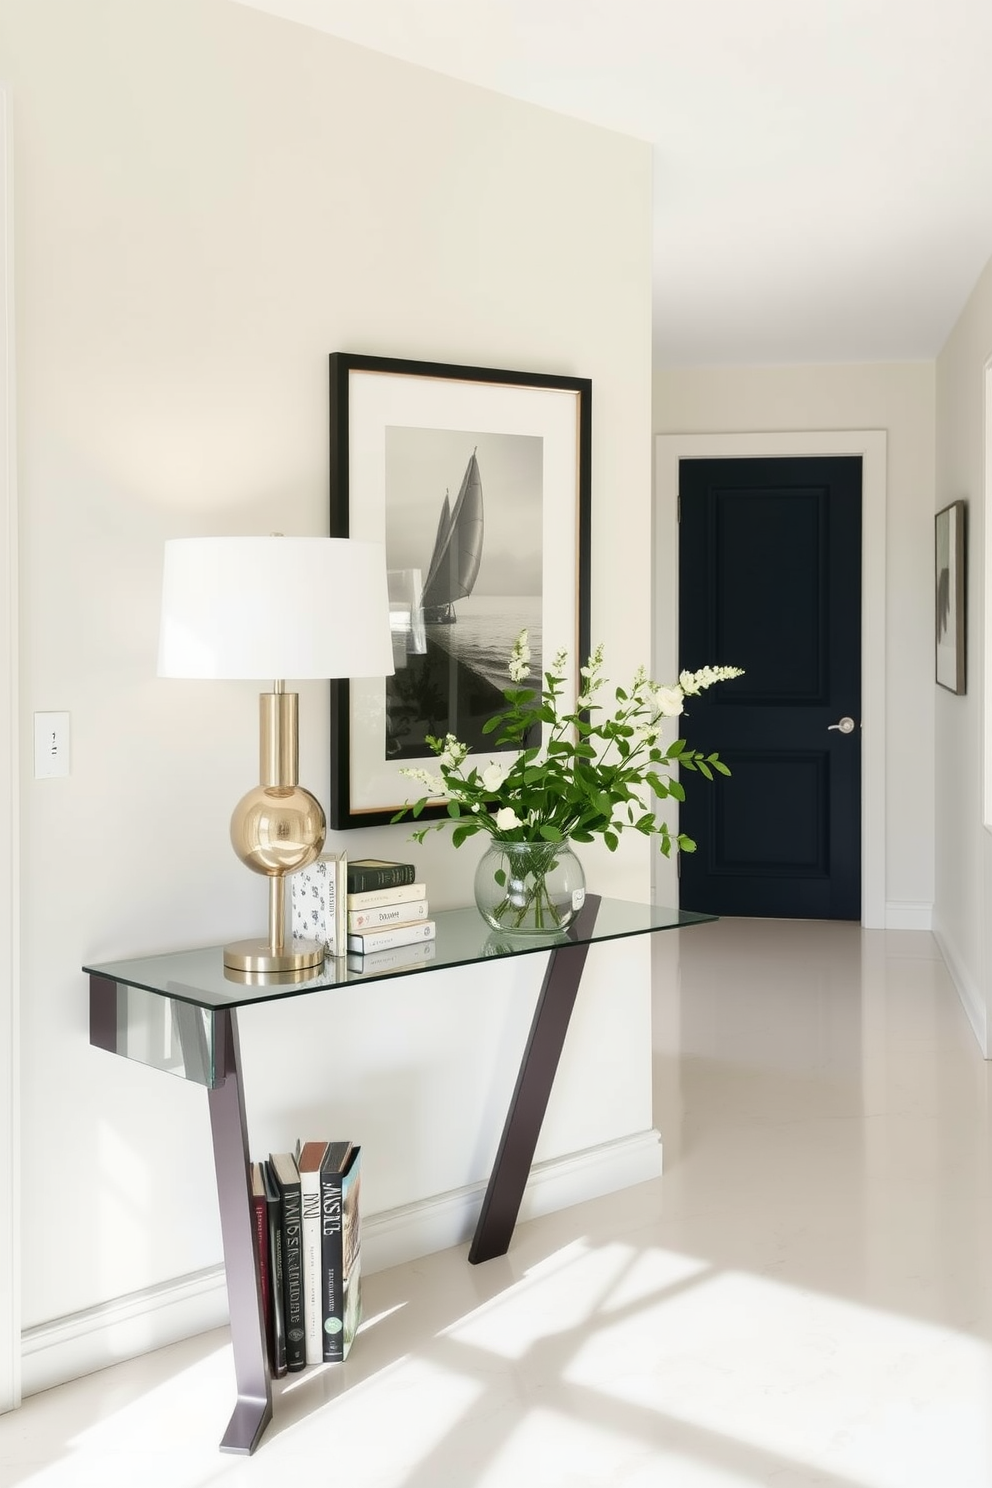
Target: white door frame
[871,446]
[10,1210]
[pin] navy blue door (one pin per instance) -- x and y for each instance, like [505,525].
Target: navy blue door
[770,580]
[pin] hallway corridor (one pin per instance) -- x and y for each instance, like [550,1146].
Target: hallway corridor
[801,1302]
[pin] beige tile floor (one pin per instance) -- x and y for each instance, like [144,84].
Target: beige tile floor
[802,1300]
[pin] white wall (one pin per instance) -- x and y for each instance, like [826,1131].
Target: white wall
[9,875]
[209,201]
[898,398]
[964,847]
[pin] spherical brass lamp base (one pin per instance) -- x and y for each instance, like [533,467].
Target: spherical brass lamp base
[277,829]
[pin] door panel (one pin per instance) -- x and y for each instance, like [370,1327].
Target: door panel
[770,579]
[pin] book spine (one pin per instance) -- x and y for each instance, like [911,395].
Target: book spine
[405,894]
[260,1217]
[310,1214]
[331,1273]
[292,1261]
[276,1320]
[352,1247]
[328,906]
[339,915]
[384,876]
[400,958]
[387,914]
[388,936]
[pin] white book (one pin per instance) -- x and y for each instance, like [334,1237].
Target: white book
[387,914]
[387,936]
[309,1158]
[319,902]
[373,898]
[398,958]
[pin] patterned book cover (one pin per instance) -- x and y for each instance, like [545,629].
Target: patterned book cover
[319,903]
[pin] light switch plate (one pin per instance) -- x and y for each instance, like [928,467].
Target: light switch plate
[51,745]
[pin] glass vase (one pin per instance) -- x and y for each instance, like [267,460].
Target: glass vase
[529,888]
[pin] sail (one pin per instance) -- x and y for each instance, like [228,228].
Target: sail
[457,552]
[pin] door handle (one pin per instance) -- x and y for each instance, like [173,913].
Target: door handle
[845,726]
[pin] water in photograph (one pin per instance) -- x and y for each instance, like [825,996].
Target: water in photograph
[458,684]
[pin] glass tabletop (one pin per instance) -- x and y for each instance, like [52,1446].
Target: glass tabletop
[462,939]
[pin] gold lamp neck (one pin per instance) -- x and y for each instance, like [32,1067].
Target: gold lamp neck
[279,745]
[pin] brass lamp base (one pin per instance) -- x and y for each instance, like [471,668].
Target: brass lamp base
[257,956]
[276,829]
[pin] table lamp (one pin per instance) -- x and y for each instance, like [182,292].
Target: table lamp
[279,607]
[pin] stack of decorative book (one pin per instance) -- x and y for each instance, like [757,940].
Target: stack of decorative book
[389,925]
[308,1231]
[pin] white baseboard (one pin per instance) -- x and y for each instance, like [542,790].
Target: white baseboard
[66,1348]
[449,1219]
[908,914]
[971,999]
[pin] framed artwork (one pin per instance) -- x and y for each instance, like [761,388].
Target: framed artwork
[949,572]
[478,482]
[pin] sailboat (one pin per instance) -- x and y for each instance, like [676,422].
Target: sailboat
[457,554]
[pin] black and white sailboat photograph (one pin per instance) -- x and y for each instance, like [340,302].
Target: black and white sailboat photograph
[464,537]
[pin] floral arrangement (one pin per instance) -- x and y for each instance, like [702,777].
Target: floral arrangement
[590,776]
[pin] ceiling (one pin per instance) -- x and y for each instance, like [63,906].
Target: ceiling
[822,168]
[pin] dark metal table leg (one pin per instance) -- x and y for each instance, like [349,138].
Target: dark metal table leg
[253,1411]
[538,1068]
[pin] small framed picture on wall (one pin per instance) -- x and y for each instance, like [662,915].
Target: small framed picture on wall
[949,578]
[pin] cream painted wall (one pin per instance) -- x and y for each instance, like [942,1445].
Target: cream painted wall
[964,846]
[898,398]
[10,1302]
[209,201]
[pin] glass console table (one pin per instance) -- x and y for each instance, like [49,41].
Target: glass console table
[178,1013]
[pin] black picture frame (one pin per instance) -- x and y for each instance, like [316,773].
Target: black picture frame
[400,433]
[950,582]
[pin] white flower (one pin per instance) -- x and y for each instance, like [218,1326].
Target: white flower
[493,777]
[694,682]
[519,664]
[435,785]
[453,753]
[667,702]
[506,819]
[592,670]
